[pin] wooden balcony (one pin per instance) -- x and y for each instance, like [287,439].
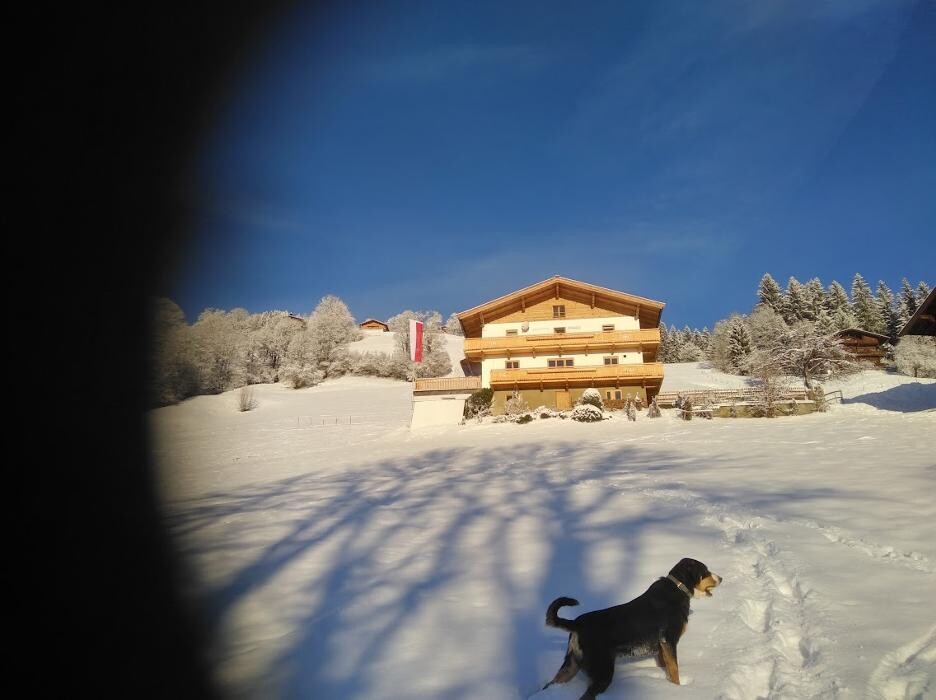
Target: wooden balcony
[476,349]
[447,385]
[648,374]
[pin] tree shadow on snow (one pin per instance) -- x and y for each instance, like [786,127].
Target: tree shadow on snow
[904,398]
[367,569]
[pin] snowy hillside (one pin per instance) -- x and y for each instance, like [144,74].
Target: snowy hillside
[379,341]
[337,554]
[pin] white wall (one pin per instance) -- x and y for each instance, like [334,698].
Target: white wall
[572,325]
[444,409]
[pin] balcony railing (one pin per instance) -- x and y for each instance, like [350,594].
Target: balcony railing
[568,343]
[452,384]
[651,372]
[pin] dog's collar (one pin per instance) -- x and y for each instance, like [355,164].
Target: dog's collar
[680,585]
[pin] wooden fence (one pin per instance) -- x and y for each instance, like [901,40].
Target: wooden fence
[667,399]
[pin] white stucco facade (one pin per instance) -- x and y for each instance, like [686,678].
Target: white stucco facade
[571,325]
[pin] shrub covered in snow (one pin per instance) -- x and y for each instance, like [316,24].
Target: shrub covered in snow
[246,401]
[544,412]
[516,405]
[591,397]
[525,418]
[915,355]
[586,413]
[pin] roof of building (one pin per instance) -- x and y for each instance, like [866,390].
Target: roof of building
[563,285]
[862,331]
[922,322]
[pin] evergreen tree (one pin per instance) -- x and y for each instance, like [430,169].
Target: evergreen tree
[663,350]
[794,301]
[674,341]
[923,291]
[769,293]
[838,308]
[906,302]
[890,325]
[864,308]
[813,299]
[739,344]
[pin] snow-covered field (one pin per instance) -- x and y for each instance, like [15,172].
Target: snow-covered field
[337,554]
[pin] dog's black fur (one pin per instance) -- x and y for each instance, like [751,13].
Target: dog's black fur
[652,623]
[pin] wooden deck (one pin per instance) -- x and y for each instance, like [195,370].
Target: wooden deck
[650,373]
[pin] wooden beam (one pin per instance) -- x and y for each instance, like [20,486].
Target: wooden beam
[557,290]
[523,304]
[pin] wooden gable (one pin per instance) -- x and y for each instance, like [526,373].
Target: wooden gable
[580,299]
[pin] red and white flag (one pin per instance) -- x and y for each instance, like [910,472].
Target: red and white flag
[415,340]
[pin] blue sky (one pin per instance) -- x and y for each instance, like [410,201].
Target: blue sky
[440,154]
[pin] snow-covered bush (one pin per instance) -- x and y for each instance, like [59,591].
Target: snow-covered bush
[915,355]
[246,401]
[544,412]
[592,397]
[516,405]
[586,413]
[525,418]
[653,411]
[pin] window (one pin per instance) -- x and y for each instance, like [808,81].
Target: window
[609,396]
[559,329]
[560,362]
[512,364]
[611,360]
[559,311]
[608,327]
[617,395]
[513,331]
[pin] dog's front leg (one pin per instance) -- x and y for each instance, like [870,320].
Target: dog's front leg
[668,655]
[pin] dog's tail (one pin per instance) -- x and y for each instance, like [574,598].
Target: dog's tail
[552,614]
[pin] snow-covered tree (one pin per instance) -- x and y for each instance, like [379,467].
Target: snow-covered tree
[219,344]
[739,344]
[923,291]
[173,374]
[330,326]
[765,327]
[838,307]
[453,326]
[915,355]
[906,302]
[266,345]
[663,351]
[769,293]
[805,352]
[864,308]
[887,311]
[300,367]
[813,299]
[690,352]
[794,301]
[436,360]
[674,343]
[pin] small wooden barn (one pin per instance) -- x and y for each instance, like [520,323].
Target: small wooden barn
[866,345]
[372,324]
